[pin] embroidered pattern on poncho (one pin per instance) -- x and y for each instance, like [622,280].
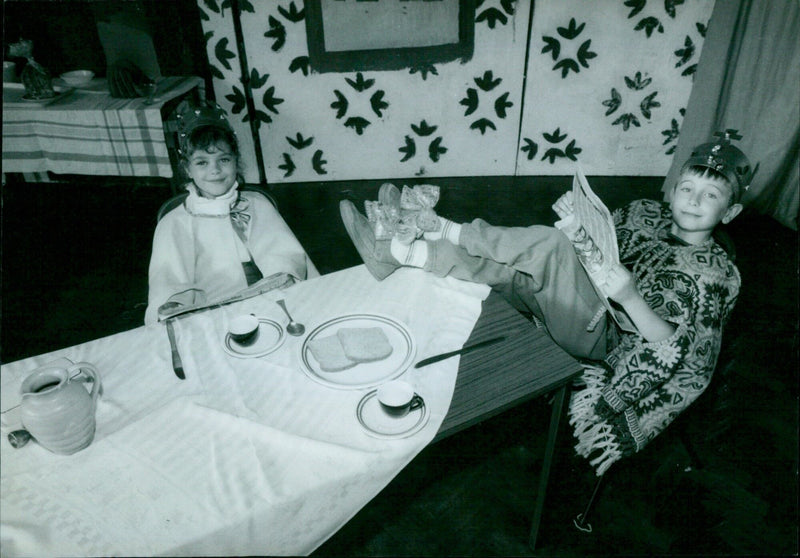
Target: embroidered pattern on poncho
[641,387]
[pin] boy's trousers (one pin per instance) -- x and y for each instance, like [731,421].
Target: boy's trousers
[535,268]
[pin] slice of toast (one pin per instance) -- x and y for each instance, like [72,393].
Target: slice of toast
[364,344]
[330,354]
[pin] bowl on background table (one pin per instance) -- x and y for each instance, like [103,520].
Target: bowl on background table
[77,78]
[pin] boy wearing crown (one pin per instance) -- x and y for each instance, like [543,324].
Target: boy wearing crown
[675,282]
[220,240]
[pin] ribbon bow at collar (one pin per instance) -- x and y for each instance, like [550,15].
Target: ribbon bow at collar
[240,219]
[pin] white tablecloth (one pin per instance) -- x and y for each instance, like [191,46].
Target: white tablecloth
[245,456]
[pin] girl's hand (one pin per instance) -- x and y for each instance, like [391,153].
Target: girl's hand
[564,206]
[620,284]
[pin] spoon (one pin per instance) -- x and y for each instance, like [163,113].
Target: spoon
[293,328]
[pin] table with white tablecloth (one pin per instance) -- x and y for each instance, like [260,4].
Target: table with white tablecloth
[244,456]
[87,131]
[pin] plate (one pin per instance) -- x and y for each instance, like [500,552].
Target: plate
[96,85]
[270,337]
[366,374]
[14,93]
[380,425]
[59,93]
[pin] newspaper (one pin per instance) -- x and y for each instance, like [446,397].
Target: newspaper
[595,243]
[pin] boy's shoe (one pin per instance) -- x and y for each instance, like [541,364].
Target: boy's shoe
[389,195]
[375,253]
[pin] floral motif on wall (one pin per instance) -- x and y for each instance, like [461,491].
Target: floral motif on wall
[219,8]
[651,23]
[223,55]
[277,33]
[299,143]
[575,85]
[268,99]
[554,138]
[222,50]
[376,102]
[671,134]
[647,103]
[688,50]
[493,15]
[423,71]
[485,83]
[567,63]
[422,130]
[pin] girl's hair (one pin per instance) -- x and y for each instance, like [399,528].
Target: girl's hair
[203,137]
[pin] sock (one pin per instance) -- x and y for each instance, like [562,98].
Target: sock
[449,231]
[414,254]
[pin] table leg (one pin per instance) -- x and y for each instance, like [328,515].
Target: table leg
[555,421]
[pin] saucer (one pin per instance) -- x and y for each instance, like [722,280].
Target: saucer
[270,337]
[380,425]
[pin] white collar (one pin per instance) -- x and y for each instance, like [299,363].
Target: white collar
[212,207]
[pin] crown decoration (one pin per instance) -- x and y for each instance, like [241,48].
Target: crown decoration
[725,159]
[191,116]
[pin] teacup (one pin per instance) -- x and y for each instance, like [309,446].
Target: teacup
[243,329]
[397,398]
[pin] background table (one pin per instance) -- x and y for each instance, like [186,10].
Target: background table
[86,131]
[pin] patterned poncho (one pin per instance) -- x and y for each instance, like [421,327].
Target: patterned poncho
[641,387]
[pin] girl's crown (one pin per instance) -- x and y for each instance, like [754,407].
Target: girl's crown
[726,159]
[191,116]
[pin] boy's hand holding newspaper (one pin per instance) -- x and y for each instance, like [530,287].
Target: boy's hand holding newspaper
[565,209]
[620,284]
[589,225]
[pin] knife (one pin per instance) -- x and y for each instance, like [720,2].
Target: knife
[461,351]
[276,281]
[177,365]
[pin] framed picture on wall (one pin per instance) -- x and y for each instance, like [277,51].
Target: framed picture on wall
[354,35]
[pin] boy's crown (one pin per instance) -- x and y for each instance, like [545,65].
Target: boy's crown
[191,116]
[726,159]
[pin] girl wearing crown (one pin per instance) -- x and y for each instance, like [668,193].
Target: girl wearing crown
[220,240]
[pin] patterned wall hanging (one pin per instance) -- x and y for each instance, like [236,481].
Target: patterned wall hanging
[607,84]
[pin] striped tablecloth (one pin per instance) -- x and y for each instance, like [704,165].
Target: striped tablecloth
[244,456]
[90,132]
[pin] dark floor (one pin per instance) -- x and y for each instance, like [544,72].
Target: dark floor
[74,263]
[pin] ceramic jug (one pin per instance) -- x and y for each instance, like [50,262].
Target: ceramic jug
[58,410]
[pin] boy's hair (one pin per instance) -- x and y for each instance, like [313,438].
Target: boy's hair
[724,159]
[701,171]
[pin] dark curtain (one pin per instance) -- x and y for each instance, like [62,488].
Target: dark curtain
[748,79]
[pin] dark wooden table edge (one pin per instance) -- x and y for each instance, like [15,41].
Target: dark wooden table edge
[446,431]
[498,316]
